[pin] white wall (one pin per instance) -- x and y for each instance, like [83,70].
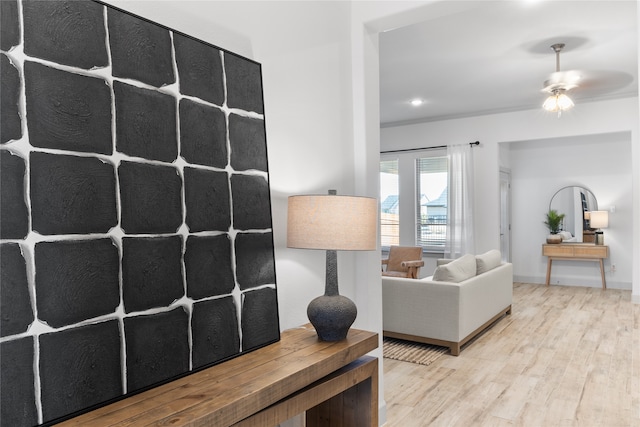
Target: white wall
[614,117]
[600,163]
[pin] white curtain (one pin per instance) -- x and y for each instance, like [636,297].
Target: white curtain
[460,232]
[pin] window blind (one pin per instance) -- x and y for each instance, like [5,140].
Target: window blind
[431,202]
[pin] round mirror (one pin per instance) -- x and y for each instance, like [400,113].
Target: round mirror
[575,203]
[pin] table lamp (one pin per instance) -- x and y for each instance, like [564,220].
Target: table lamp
[598,220]
[332,223]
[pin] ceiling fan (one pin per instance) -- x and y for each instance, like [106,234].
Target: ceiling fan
[558,84]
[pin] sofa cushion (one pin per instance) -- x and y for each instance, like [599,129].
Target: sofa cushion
[457,270]
[488,261]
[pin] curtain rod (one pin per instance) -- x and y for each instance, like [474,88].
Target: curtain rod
[424,148]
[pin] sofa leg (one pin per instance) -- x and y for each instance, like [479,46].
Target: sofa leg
[455,349]
[509,310]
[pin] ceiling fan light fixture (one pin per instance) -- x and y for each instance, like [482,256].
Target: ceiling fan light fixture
[558,102]
[560,82]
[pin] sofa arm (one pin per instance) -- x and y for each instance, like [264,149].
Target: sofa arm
[421,307]
[482,296]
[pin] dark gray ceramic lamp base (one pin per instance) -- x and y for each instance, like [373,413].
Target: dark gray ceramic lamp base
[332,314]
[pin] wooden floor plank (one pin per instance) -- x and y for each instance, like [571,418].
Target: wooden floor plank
[566,356]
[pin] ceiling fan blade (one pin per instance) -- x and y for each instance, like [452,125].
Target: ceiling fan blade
[604,81]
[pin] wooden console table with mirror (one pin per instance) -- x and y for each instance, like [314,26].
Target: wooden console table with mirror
[576,252]
[334,382]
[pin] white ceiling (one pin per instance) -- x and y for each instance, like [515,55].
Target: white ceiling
[488,57]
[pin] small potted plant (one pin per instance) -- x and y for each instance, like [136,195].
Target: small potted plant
[553,223]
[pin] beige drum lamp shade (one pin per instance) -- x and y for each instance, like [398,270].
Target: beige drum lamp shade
[331,222]
[599,219]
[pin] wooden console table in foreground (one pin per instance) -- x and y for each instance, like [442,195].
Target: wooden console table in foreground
[576,252]
[334,382]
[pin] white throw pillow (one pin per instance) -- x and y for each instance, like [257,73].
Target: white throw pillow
[488,261]
[565,235]
[457,270]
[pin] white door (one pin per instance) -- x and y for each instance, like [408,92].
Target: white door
[505,214]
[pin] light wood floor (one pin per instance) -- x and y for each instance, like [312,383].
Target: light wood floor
[567,356]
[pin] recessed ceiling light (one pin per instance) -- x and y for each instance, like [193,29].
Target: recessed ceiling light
[417,102]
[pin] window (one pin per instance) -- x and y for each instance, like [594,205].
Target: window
[431,202]
[413,200]
[389,203]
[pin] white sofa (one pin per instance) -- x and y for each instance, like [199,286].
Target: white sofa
[460,300]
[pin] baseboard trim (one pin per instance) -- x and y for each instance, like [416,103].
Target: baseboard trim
[574,281]
[382,413]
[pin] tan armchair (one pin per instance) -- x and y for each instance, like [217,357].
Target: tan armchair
[403,261]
